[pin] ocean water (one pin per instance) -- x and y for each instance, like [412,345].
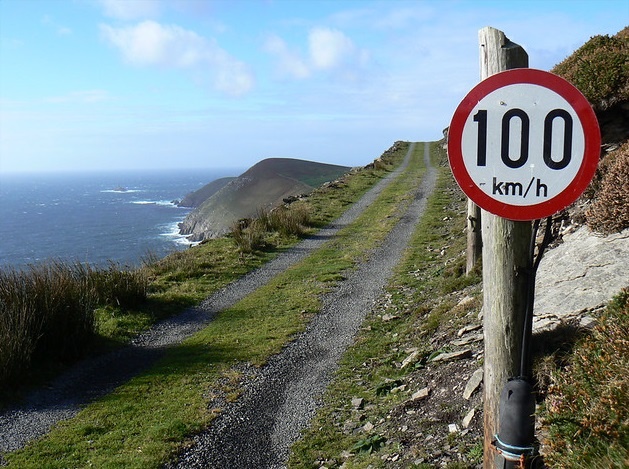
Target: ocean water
[95,217]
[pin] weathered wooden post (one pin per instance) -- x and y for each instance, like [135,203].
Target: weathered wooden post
[523,144]
[505,262]
[497,53]
[474,235]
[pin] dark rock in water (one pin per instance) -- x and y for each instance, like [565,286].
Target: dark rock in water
[121,189]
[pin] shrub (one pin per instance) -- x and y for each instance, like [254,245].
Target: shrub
[19,328]
[291,221]
[249,235]
[118,287]
[587,408]
[610,210]
[600,70]
[47,311]
[254,234]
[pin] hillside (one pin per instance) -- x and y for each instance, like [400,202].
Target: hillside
[600,70]
[263,186]
[197,284]
[196,198]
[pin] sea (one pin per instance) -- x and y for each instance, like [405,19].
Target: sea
[97,218]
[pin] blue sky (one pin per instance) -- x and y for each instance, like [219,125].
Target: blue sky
[160,84]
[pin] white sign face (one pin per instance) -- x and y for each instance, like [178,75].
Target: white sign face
[504,141]
[524,144]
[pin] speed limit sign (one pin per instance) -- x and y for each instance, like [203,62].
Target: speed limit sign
[524,144]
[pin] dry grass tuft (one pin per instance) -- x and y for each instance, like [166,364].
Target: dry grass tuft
[609,212]
[251,235]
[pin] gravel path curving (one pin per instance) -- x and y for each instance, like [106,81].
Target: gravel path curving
[95,377]
[280,399]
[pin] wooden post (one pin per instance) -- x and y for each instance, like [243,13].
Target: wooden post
[474,237]
[505,262]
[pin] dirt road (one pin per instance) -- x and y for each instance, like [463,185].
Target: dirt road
[95,377]
[281,398]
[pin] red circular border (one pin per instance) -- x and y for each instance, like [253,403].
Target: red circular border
[581,180]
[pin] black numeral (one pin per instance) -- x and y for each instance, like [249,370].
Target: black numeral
[505,138]
[481,147]
[506,135]
[567,139]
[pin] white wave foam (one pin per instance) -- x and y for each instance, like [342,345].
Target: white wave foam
[165,203]
[121,191]
[172,231]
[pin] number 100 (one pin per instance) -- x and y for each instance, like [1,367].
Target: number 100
[505,135]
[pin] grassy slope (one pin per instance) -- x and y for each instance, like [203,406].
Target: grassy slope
[196,198]
[144,421]
[422,301]
[262,186]
[585,414]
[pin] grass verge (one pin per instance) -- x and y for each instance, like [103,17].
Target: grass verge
[370,420]
[144,421]
[44,305]
[351,428]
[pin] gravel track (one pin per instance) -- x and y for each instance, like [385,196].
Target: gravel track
[95,377]
[280,399]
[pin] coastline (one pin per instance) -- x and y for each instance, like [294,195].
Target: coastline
[82,217]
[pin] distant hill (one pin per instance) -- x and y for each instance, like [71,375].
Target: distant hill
[264,185]
[196,198]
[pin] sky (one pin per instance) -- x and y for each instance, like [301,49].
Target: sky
[178,84]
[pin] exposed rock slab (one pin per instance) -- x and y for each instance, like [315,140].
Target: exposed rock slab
[581,274]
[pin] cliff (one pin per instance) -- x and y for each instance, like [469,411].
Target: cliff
[196,198]
[264,185]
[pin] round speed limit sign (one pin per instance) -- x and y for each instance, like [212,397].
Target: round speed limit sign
[524,144]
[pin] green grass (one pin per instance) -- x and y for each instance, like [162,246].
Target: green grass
[113,312]
[144,421]
[585,415]
[370,368]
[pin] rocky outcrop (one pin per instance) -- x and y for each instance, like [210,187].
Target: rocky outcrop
[264,186]
[579,276]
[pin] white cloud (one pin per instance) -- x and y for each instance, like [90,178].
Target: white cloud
[152,44]
[231,76]
[329,48]
[60,29]
[130,9]
[290,63]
